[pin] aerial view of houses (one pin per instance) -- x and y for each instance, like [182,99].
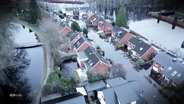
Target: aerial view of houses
[91,52]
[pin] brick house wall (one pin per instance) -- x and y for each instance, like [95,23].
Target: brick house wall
[101,66]
[84,46]
[157,67]
[81,63]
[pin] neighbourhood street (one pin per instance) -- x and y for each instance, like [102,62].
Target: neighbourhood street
[150,93]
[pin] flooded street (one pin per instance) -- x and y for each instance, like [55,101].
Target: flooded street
[132,75]
[160,34]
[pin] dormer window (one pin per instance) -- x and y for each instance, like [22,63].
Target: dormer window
[156,64]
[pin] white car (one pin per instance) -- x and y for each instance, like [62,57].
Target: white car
[99,32]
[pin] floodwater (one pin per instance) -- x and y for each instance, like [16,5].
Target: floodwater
[35,69]
[137,79]
[160,34]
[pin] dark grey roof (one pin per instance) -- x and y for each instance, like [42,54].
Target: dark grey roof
[73,35]
[140,46]
[101,22]
[119,32]
[57,98]
[95,86]
[172,69]
[79,42]
[117,29]
[125,94]
[93,57]
[115,81]
[69,92]
[75,100]
[109,96]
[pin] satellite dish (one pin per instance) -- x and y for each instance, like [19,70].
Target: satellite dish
[182,45]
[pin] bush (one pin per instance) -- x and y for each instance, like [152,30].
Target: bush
[85,31]
[69,58]
[139,63]
[119,46]
[92,77]
[56,84]
[113,23]
[117,70]
[100,51]
[110,61]
[98,47]
[103,36]
[130,53]
[67,83]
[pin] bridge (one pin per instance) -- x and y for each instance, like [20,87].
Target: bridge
[28,45]
[67,1]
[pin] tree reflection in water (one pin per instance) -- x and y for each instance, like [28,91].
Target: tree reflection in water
[14,87]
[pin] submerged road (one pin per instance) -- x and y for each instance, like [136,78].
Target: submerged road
[142,85]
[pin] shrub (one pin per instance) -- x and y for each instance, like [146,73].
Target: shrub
[98,47]
[130,53]
[119,46]
[92,77]
[139,63]
[103,36]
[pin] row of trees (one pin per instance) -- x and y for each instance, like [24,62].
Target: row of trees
[52,39]
[14,85]
[136,9]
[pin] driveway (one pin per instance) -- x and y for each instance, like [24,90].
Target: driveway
[138,80]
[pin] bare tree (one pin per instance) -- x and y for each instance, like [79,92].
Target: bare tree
[51,37]
[117,70]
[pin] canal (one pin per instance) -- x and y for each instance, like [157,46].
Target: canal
[34,72]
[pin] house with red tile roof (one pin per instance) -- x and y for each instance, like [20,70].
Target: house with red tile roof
[94,20]
[73,38]
[90,59]
[65,31]
[141,49]
[81,44]
[120,35]
[104,26]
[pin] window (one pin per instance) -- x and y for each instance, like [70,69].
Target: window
[174,73]
[156,64]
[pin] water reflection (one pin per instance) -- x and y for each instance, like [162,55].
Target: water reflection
[68,69]
[35,69]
